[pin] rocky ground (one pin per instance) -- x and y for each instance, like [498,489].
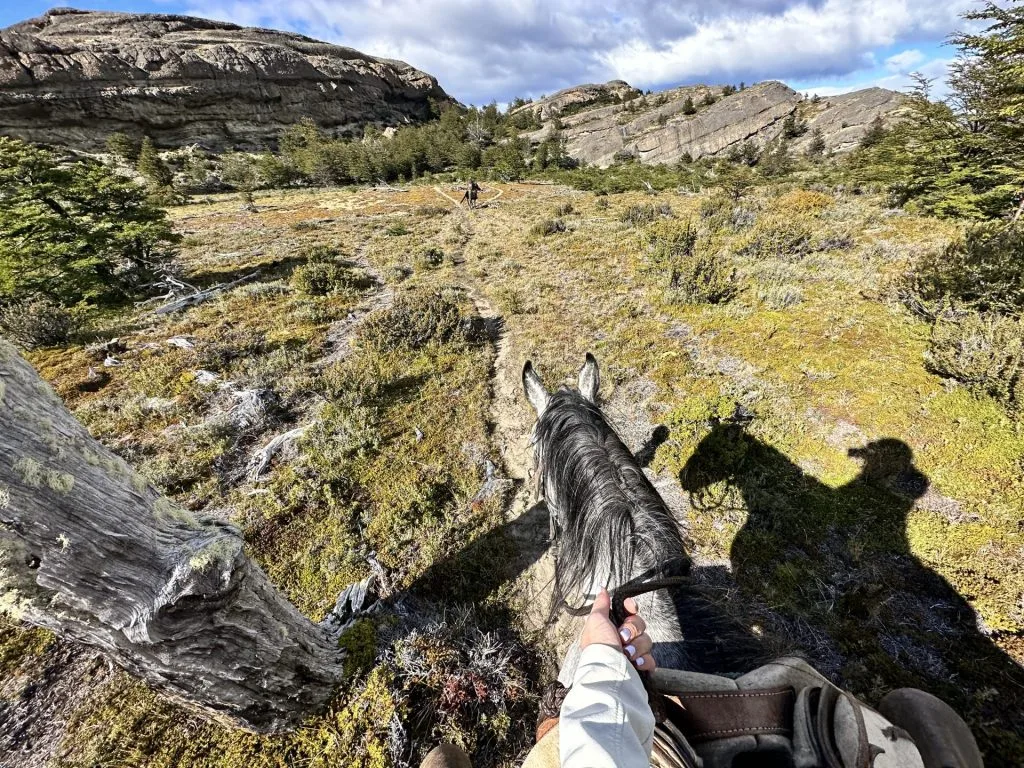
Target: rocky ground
[837,498]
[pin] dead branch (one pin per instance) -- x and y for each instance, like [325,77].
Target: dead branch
[201,296]
[261,459]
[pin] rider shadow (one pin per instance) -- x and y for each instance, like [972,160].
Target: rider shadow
[830,572]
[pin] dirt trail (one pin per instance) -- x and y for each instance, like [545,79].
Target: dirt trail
[511,422]
[341,332]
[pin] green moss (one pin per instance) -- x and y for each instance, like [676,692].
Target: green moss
[360,644]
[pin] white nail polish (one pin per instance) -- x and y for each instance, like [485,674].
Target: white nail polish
[630,650]
[640,661]
[624,634]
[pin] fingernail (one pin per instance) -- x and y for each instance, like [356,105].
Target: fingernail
[640,661]
[630,650]
[625,634]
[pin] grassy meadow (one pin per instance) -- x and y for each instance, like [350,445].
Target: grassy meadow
[841,500]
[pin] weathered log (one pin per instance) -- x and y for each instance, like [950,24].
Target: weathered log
[90,550]
[200,296]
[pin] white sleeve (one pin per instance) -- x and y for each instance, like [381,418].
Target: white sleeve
[605,720]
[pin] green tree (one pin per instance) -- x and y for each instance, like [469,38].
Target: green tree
[964,156]
[123,146]
[74,232]
[816,148]
[792,127]
[688,106]
[152,166]
[875,132]
[507,159]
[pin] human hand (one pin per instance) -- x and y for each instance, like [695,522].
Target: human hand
[631,637]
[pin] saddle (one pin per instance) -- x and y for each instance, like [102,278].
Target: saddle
[786,715]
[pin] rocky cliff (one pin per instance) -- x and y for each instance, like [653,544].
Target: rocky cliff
[600,123]
[73,77]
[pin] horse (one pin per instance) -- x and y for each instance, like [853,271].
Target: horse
[609,526]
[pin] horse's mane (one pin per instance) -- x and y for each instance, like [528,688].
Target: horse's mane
[610,517]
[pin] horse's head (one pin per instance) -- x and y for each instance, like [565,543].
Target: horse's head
[588,382]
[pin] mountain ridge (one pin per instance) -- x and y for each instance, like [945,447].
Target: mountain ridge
[73,77]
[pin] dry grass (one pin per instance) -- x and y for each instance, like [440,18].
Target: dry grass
[805,347]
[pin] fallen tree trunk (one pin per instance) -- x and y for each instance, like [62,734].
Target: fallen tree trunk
[200,296]
[90,550]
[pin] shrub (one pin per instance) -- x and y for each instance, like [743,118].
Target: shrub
[320,278]
[547,227]
[565,209]
[702,277]
[983,270]
[803,201]
[985,351]
[397,230]
[431,211]
[429,258]
[785,237]
[36,323]
[602,203]
[638,215]
[412,322]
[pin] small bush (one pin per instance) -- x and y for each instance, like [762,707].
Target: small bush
[397,230]
[803,201]
[703,277]
[644,213]
[320,278]
[513,301]
[565,209]
[412,322]
[36,323]
[429,258]
[985,351]
[781,237]
[601,204]
[547,227]
[431,211]
[983,270]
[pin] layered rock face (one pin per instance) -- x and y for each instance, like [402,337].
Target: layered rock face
[656,129]
[74,77]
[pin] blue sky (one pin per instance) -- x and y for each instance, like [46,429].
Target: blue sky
[482,51]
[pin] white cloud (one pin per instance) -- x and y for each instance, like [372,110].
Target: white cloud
[905,61]
[490,51]
[936,70]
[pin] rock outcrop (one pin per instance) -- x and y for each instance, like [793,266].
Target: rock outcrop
[656,128]
[73,77]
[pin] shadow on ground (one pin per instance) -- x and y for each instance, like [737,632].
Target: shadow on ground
[835,565]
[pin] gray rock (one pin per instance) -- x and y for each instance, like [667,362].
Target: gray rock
[654,128]
[73,77]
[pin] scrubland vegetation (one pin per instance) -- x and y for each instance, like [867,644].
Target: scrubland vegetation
[818,304]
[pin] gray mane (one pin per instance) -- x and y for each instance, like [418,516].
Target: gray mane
[611,524]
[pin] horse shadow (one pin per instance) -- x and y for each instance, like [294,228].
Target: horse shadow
[830,572]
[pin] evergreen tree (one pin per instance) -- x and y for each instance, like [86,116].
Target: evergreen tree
[688,106]
[964,156]
[72,232]
[875,132]
[792,127]
[152,166]
[123,146]
[817,146]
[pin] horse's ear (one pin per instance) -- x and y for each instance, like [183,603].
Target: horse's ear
[590,379]
[535,392]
